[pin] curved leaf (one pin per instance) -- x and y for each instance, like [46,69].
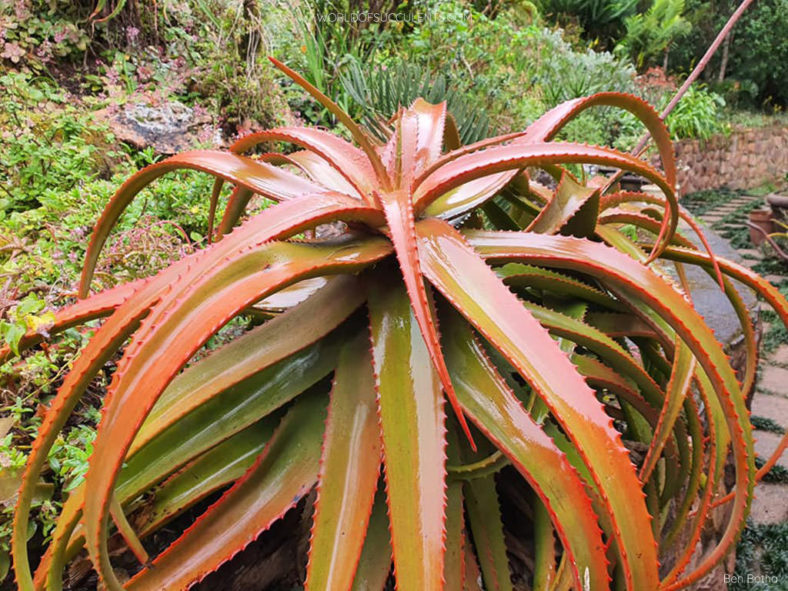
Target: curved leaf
[629,276]
[271,181]
[492,406]
[200,310]
[517,156]
[280,477]
[472,287]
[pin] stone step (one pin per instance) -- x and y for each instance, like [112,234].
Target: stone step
[765,444]
[770,406]
[769,505]
[780,356]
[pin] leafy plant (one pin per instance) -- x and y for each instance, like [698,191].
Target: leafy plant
[387,89]
[601,20]
[560,353]
[698,115]
[650,34]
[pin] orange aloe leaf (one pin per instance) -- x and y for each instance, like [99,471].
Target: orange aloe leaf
[628,276]
[243,359]
[410,406]
[181,329]
[342,156]
[473,288]
[572,210]
[357,132]
[258,177]
[221,465]
[399,214]
[560,285]
[549,124]
[626,196]
[349,469]
[493,407]
[236,385]
[275,222]
[738,272]
[430,121]
[105,343]
[281,476]
[517,156]
[677,390]
[458,150]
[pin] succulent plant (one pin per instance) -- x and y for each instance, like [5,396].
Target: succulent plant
[576,370]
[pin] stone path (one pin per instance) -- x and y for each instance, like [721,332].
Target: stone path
[770,401]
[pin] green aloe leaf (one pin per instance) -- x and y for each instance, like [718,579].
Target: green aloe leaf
[281,476]
[412,425]
[349,470]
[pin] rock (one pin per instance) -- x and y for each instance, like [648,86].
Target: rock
[771,407]
[775,379]
[169,127]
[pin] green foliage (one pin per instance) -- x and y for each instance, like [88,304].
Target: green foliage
[600,20]
[698,115]
[382,92]
[762,550]
[489,61]
[37,32]
[758,53]
[766,424]
[650,34]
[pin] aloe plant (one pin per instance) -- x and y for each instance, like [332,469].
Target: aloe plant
[575,370]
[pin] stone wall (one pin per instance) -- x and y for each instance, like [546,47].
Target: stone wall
[745,158]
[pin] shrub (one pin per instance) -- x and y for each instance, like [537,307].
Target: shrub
[560,353]
[601,20]
[650,34]
[698,115]
[758,51]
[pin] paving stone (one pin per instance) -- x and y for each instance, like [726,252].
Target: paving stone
[780,356]
[775,379]
[766,443]
[711,219]
[769,505]
[771,407]
[775,280]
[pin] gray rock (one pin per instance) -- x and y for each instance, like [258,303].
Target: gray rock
[169,127]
